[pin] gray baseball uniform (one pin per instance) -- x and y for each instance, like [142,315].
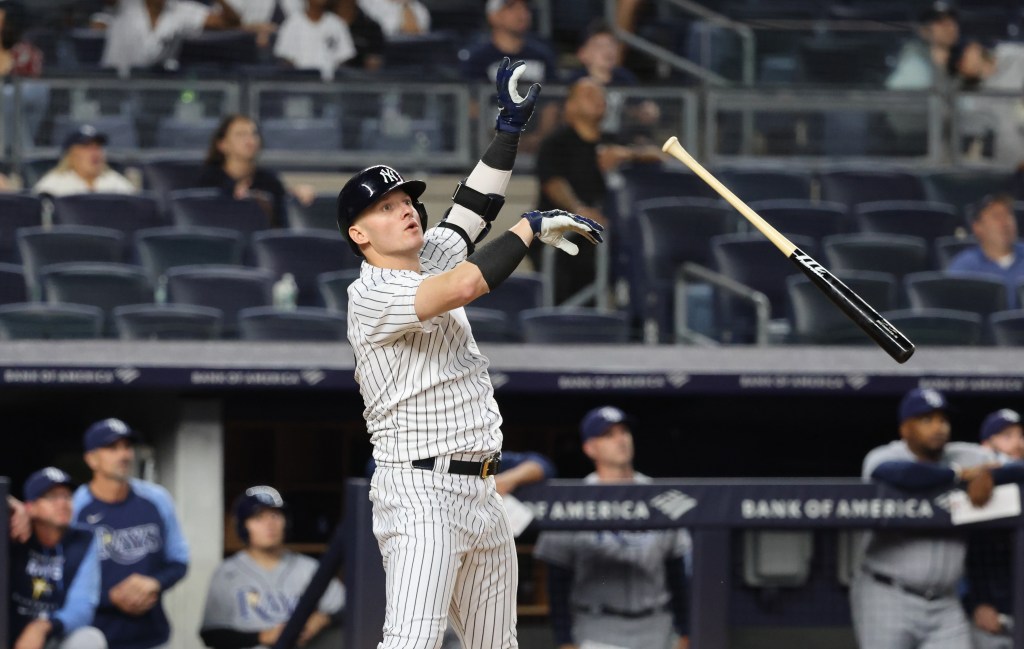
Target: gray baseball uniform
[246,597]
[904,596]
[619,592]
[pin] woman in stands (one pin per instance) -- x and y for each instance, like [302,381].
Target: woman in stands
[83,168]
[231,165]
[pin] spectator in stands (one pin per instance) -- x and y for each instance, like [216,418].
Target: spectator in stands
[570,169]
[55,574]
[253,593]
[988,596]
[5,183]
[18,58]
[143,552]
[614,588]
[144,33]
[398,17]
[1000,69]
[923,61]
[367,35]
[510,22]
[315,38]
[262,16]
[998,252]
[231,165]
[83,168]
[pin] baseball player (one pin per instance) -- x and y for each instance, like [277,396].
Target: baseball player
[904,595]
[430,410]
[55,574]
[254,592]
[989,594]
[141,548]
[615,589]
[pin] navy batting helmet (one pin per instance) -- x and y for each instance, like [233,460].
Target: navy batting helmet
[252,502]
[367,187]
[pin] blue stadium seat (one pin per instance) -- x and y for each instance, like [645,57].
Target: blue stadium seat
[814,219]
[12,284]
[963,188]
[306,134]
[333,288]
[521,291]
[124,213]
[896,254]
[767,184]
[924,219]
[120,130]
[184,134]
[938,327]
[946,248]
[305,255]
[490,325]
[41,247]
[165,176]
[87,45]
[975,293]
[35,321]
[815,319]
[98,284]
[167,322]
[160,249]
[573,326]
[209,208]
[309,324]
[19,211]
[224,48]
[321,214]
[423,135]
[228,288]
[853,187]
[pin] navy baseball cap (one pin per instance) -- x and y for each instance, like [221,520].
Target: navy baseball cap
[106,432]
[937,10]
[921,401]
[86,134]
[597,422]
[42,481]
[997,422]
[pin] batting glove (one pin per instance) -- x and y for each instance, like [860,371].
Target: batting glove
[515,110]
[552,226]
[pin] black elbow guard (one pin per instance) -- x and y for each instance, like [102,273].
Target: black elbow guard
[486,206]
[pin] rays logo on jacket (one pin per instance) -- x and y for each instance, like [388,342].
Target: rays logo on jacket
[270,606]
[128,545]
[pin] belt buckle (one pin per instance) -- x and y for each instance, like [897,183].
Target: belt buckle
[490,465]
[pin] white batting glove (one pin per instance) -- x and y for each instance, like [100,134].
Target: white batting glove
[552,226]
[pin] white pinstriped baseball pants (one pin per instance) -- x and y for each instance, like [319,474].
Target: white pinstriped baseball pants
[447,549]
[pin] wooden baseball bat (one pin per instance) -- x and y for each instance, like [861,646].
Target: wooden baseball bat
[863,314]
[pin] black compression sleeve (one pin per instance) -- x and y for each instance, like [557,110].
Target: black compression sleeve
[499,258]
[501,154]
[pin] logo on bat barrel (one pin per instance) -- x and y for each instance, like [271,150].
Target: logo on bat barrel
[808,262]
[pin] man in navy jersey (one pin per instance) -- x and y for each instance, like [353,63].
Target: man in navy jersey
[141,548]
[55,574]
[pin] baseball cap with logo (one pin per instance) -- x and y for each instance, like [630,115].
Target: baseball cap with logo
[936,11]
[85,134]
[107,432]
[597,422]
[498,5]
[42,481]
[921,401]
[997,422]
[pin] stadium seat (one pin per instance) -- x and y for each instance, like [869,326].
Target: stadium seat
[159,249]
[940,327]
[98,284]
[421,52]
[34,321]
[423,135]
[121,212]
[305,134]
[119,129]
[167,322]
[947,248]
[333,288]
[165,176]
[210,208]
[896,254]
[521,291]
[963,188]
[753,185]
[305,255]
[185,134]
[12,284]
[321,214]
[301,324]
[815,319]
[490,325]
[65,243]
[814,219]
[853,187]
[974,293]
[226,48]
[924,219]
[33,169]
[563,325]
[87,45]
[228,288]
[777,558]
[19,211]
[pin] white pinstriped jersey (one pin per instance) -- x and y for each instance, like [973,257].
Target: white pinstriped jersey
[424,384]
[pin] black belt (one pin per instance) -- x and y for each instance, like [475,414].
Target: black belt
[601,609]
[484,469]
[930,594]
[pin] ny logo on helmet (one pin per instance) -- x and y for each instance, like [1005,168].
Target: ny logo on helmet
[390,175]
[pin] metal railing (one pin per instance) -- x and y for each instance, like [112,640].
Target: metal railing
[757,299]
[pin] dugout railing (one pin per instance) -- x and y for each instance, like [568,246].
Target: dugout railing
[712,510]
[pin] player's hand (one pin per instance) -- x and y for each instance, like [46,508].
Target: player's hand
[269,636]
[33,636]
[683,642]
[316,623]
[979,488]
[552,226]
[986,618]
[21,526]
[514,109]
